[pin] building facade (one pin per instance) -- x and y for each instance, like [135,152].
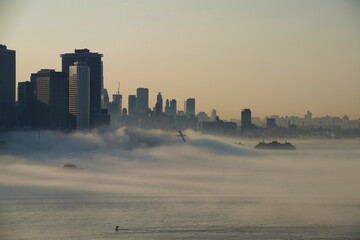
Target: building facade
[7,86]
[94,62]
[79,94]
[189,106]
[142,100]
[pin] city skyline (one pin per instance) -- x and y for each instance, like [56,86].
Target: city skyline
[274,58]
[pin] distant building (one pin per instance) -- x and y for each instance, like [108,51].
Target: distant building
[308,115]
[93,60]
[142,100]
[132,105]
[218,127]
[245,119]
[181,113]
[270,123]
[213,115]
[104,98]
[167,107]
[173,107]
[7,86]
[159,104]
[189,106]
[203,117]
[124,112]
[117,99]
[79,94]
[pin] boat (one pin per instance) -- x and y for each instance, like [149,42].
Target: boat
[275,145]
[69,165]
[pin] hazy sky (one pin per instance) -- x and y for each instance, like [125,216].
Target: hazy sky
[275,57]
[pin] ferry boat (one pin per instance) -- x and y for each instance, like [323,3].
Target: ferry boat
[275,145]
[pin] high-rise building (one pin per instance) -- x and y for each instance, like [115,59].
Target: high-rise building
[245,119]
[79,94]
[159,104]
[131,105]
[7,86]
[25,103]
[93,60]
[173,109]
[51,99]
[167,107]
[117,99]
[213,115]
[142,100]
[189,106]
[104,98]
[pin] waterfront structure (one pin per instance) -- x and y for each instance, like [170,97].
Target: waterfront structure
[189,106]
[94,62]
[7,86]
[142,100]
[132,105]
[79,94]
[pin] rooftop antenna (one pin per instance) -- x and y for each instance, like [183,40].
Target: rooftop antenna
[118,91]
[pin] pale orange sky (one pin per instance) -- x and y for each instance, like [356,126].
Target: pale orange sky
[274,57]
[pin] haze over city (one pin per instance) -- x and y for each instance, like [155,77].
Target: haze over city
[275,57]
[178,119]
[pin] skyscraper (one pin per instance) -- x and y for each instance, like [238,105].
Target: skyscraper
[131,105]
[173,109]
[189,107]
[79,94]
[245,119]
[142,100]
[117,99]
[213,115]
[159,104]
[167,107]
[93,60]
[25,102]
[7,85]
[51,100]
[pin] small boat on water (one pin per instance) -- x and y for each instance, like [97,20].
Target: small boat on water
[70,166]
[275,145]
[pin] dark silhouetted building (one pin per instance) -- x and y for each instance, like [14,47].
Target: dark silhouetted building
[79,95]
[7,86]
[189,107]
[51,100]
[142,100]
[93,60]
[245,119]
[132,105]
[25,103]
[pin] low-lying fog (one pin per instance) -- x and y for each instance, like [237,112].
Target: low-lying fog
[318,183]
